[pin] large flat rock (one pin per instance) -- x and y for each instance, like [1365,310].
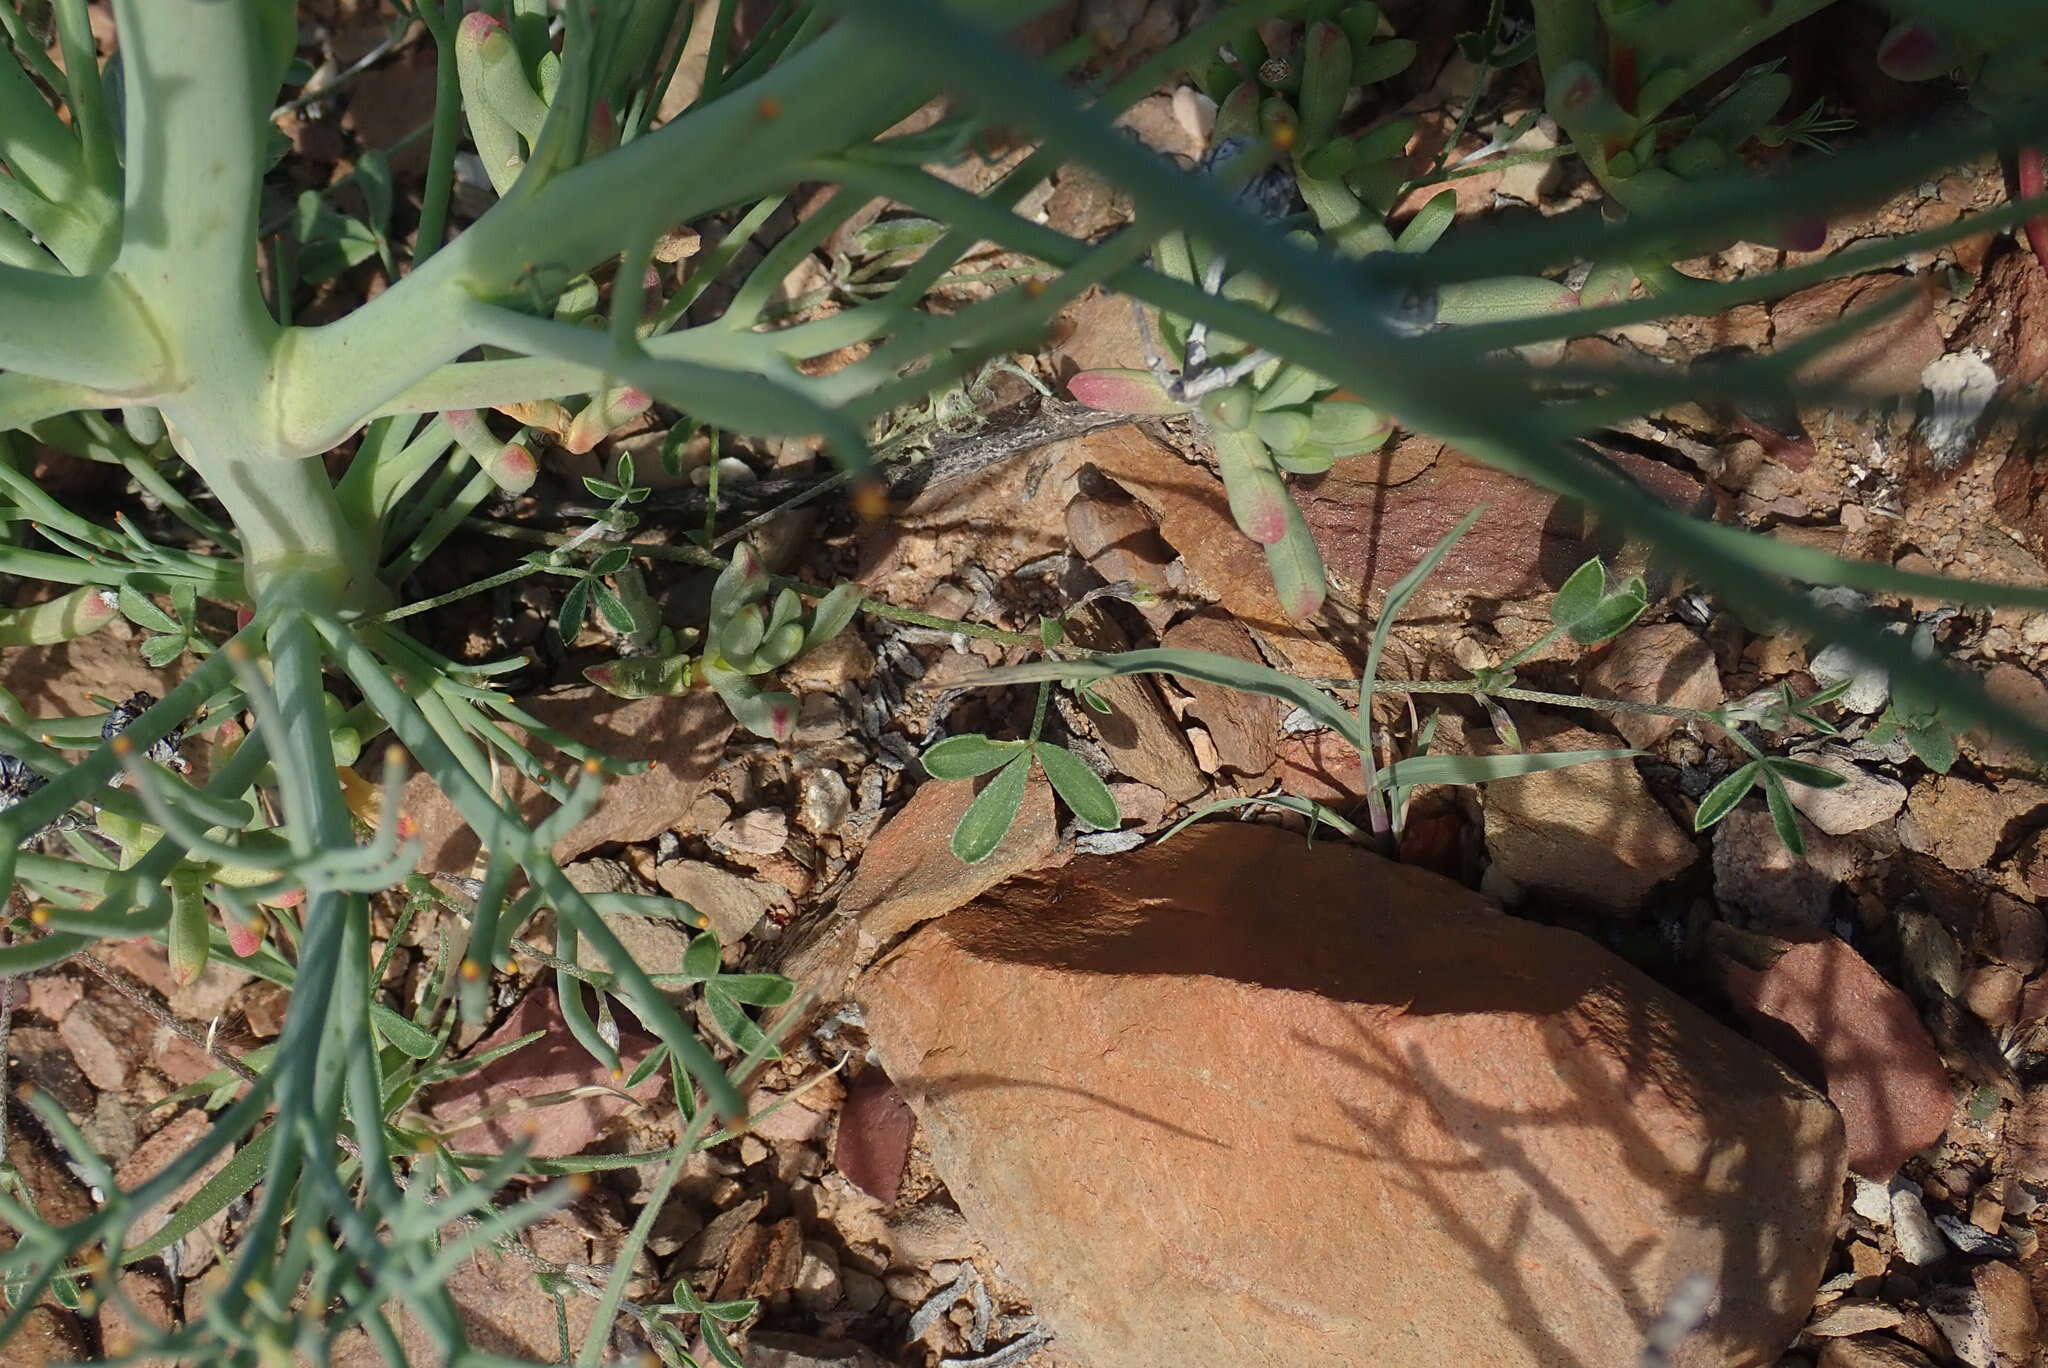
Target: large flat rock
[1236,1100]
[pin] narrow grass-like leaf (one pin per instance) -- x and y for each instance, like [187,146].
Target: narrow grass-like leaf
[236,1177]
[994,810]
[1079,787]
[409,1039]
[1390,608]
[1483,769]
[1286,802]
[1207,666]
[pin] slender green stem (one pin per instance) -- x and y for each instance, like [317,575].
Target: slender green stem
[440,184]
[482,586]
[692,555]
[728,150]
[1560,700]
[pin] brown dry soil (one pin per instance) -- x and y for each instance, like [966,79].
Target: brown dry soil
[830,1213]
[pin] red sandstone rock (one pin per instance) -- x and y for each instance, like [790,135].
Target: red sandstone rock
[1233,1101]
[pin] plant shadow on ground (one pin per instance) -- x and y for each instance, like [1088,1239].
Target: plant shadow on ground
[1617,1137]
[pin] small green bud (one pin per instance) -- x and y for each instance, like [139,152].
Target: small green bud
[1361,24]
[1279,123]
[604,415]
[1229,409]
[1697,159]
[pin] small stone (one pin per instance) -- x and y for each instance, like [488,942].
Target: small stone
[50,995]
[1833,1018]
[1755,872]
[792,1120]
[1993,993]
[1959,387]
[1919,1239]
[1972,1241]
[831,665]
[824,802]
[820,719]
[932,1230]
[1867,1261]
[1872,1352]
[944,1271]
[907,1285]
[1590,833]
[1932,956]
[752,1151]
[734,905]
[2014,933]
[764,831]
[2022,691]
[602,876]
[1962,822]
[89,1033]
[1872,1201]
[1662,663]
[1870,685]
[1243,728]
[142,1312]
[818,1286]
[1960,1313]
[1862,801]
[47,1335]
[860,1292]
[2012,1322]
[875,1130]
[1851,1317]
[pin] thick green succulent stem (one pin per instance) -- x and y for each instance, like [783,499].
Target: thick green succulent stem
[200,78]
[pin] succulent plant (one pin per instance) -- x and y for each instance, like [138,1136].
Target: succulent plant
[1281,129]
[750,633]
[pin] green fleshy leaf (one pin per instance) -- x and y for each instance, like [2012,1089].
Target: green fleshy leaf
[832,614]
[992,813]
[140,610]
[1783,817]
[1079,787]
[701,958]
[1812,776]
[1722,797]
[611,608]
[575,606]
[968,756]
[159,651]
